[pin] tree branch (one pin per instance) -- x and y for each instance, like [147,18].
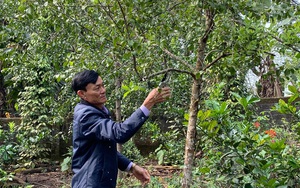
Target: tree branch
[110,16]
[167,10]
[169,70]
[273,36]
[216,60]
[128,37]
[178,58]
[124,17]
[282,42]
[209,25]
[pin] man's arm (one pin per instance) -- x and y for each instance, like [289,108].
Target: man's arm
[92,125]
[124,163]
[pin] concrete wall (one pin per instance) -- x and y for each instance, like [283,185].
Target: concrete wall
[266,105]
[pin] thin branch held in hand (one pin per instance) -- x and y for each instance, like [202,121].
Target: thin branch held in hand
[169,70]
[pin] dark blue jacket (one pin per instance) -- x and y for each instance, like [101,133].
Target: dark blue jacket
[95,159]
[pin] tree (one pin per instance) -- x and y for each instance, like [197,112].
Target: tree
[201,42]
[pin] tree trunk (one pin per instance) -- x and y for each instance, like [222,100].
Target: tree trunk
[270,84]
[194,105]
[118,118]
[2,92]
[190,136]
[118,115]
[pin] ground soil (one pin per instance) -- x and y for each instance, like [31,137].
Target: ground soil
[38,178]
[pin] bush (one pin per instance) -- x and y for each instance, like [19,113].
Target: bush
[9,148]
[246,150]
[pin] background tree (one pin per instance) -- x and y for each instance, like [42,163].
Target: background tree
[202,44]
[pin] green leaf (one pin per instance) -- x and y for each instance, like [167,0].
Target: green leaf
[203,115]
[186,116]
[244,102]
[223,107]
[283,186]
[126,94]
[292,89]
[253,100]
[198,75]
[125,87]
[236,95]
[293,98]
[271,182]
[160,156]
[278,145]
[65,165]
[204,170]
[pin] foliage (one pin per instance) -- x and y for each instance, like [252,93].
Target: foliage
[9,148]
[170,151]
[34,104]
[245,150]
[156,182]
[131,151]
[9,151]
[4,177]
[31,67]
[43,44]
[67,162]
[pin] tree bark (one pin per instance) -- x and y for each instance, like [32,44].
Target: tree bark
[2,92]
[190,136]
[119,118]
[194,105]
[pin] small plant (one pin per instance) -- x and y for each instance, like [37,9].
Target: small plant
[170,152]
[9,148]
[66,164]
[4,177]
[8,152]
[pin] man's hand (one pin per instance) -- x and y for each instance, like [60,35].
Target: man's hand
[157,95]
[141,174]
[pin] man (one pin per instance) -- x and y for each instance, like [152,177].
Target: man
[95,159]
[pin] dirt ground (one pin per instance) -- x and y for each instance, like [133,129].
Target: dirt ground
[41,180]
[57,179]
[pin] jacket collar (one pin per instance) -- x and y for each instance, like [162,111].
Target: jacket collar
[105,111]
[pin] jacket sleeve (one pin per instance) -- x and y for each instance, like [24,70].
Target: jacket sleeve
[92,125]
[123,162]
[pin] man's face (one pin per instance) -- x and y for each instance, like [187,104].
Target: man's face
[95,93]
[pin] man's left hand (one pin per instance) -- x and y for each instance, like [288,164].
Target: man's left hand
[141,174]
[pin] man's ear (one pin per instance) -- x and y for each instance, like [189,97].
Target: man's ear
[81,94]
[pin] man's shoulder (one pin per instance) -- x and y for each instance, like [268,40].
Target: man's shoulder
[83,109]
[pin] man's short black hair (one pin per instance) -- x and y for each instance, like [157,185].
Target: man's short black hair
[82,79]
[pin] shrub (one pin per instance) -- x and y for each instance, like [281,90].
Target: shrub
[245,150]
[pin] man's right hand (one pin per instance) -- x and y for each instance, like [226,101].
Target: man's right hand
[157,95]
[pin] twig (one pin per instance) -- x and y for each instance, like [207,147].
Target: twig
[216,60]
[178,58]
[289,45]
[169,70]
[19,180]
